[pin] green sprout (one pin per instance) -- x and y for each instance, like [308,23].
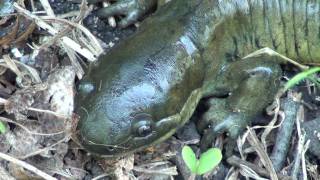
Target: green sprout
[2,128]
[207,162]
[308,74]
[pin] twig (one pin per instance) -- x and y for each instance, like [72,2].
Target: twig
[284,133]
[4,101]
[26,166]
[3,119]
[47,112]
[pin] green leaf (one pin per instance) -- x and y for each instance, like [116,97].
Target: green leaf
[2,128]
[301,76]
[209,160]
[189,157]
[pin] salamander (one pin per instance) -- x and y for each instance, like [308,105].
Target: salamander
[149,85]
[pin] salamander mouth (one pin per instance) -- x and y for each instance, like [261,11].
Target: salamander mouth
[101,149]
[115,150]
[128,151]
[154,138]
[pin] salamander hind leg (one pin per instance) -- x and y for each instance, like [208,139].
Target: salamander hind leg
[253,83]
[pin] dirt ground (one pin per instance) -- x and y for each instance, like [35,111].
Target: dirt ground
[39,72]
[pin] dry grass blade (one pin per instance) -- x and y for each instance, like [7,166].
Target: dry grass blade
[300,146]
[239,163]
[248,172]
[82,36]
[171,171]
[303,159]
[26,166]
[14,65]
[75,63]
[271,52]
[271,124]
[69,42]
[254,142]
[156,168]
[67,138]
[96,47]
[232,174]
[100,176]
[47,7]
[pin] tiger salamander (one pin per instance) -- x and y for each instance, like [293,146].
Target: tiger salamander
[149,85]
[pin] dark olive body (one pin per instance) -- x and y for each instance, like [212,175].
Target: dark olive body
[149,85]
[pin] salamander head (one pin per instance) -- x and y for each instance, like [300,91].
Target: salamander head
[123,117]
[139,93]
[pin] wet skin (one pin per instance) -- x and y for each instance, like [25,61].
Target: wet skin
[149,85]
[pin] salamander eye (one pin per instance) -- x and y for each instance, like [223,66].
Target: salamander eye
[142,125]
[144,130]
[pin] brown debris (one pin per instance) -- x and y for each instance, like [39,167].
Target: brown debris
[16,32]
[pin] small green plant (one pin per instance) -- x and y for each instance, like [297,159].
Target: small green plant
[2,128]
[207,162]
[308,74]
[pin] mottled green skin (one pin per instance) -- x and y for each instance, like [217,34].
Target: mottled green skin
[186,51]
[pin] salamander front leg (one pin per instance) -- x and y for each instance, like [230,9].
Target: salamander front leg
[253,88]
[132,9]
